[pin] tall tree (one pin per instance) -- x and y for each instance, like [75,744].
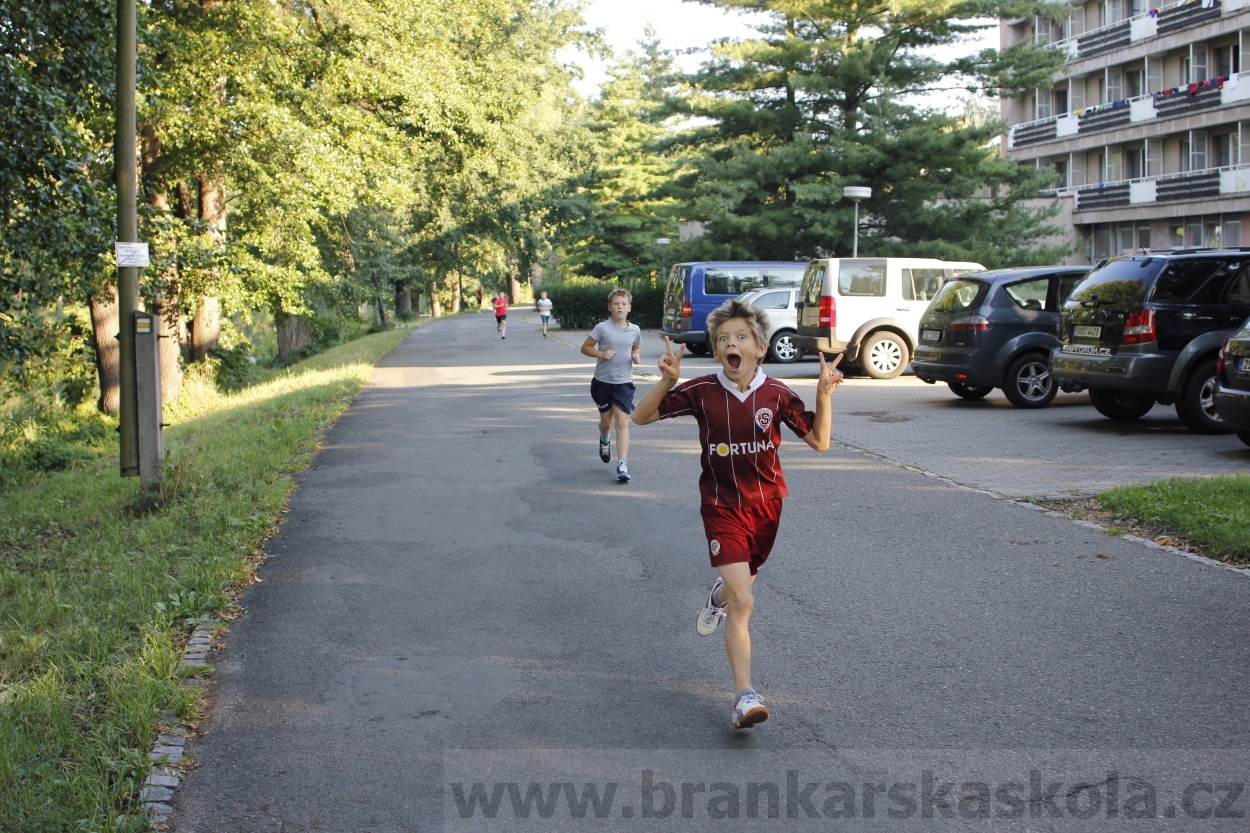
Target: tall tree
[829,96]
[632,165]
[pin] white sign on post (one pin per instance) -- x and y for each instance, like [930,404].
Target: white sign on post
[131,255]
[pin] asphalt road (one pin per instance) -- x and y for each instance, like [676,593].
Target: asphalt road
[465,616]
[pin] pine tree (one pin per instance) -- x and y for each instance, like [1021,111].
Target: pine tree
[829,96]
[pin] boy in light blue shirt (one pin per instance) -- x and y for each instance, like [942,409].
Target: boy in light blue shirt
[617,346]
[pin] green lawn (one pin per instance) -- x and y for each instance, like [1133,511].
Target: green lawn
[1212,512]
[95,592]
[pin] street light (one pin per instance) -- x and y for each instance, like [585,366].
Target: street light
[856,193]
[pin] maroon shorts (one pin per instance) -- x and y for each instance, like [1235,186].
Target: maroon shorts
[741,535]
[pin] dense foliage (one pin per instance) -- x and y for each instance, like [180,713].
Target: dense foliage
[580,305]
[301,160]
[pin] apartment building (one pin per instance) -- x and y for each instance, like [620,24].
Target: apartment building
[1146,126]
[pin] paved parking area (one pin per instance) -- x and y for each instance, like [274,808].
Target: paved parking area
[1065,450]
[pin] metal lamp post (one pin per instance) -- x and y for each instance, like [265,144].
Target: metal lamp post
[856,193]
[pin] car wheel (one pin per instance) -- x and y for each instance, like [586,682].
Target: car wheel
[783,348]
[1244,436]
[969,391]
[1196,407]
[1028,383]
[697,349]
[1122,407]
[883,356]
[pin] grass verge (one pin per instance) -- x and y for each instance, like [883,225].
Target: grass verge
[95,592]
[1212,513]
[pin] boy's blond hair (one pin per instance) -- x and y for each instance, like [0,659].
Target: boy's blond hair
[620,291]
[754,317]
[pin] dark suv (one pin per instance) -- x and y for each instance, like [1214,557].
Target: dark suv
[1147,328]
[987,330]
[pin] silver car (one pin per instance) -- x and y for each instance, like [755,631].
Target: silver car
[778,303]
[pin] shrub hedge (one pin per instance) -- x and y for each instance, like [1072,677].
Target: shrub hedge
[580,306]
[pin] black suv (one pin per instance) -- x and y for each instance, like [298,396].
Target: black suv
[987,330]
[1147,328]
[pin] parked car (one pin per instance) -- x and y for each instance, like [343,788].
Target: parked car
[1232,390]
[869,308]
[987,330]
[695,289]
[779,304]
[1145,329]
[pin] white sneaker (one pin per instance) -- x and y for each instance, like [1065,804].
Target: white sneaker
[749,710]
[622,473]
[711,614]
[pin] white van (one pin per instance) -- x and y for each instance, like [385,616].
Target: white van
[869,308]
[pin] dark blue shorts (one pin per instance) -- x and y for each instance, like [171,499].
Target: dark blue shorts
[607,394]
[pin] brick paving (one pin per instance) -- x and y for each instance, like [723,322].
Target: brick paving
[1065,450]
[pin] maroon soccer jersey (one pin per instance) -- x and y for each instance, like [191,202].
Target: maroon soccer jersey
[740,433]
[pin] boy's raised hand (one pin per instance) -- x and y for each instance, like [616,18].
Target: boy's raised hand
[670,364]
[830,376]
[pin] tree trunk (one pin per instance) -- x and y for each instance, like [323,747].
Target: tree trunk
[293,336]
[514,285]
[165,308]
[169,326]
[205,328]
[435,308]
[403,299]
[104,332]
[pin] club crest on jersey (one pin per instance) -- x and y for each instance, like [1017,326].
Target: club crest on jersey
[714,546]
[764,419]
[753,447]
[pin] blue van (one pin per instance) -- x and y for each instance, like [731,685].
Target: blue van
[695,289]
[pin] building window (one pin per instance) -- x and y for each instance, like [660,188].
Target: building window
[1211,231]
[1222,150]
[1061,173]
[1061,101]
[1110,239]
[1134,163]
[1227,59]
[1135,82]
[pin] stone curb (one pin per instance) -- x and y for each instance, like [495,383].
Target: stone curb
[1201,559]
[169,749]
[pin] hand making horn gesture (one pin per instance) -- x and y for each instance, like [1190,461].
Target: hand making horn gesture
[830,376]
[670,364]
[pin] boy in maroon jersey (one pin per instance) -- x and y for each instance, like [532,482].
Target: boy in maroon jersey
[739,411]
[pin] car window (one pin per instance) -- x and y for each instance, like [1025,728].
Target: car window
[958,295]
[860,278]
[1118,282]
[719,280]
[782,275]
[922,284]
[772,300]
[677,280]
[813,283]
[1239,290]
[1030,294]
[1184,279]
[1067,283]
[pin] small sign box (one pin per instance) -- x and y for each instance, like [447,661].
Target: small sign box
[131,255]
[143,325]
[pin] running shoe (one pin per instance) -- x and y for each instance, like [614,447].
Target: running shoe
[749,710]
[605,450]
[711,614]
[622,473]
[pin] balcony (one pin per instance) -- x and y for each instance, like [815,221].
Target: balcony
[1154,23]
[1171,103]
[1179,187]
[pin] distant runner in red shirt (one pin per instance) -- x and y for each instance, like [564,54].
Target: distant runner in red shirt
[740,412]
[500,304]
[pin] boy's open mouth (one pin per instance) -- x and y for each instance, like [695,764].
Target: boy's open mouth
[734,361]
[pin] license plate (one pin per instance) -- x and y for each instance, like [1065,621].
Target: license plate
[1087,332]
[1243,367]
[933,335]
[1086,349]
